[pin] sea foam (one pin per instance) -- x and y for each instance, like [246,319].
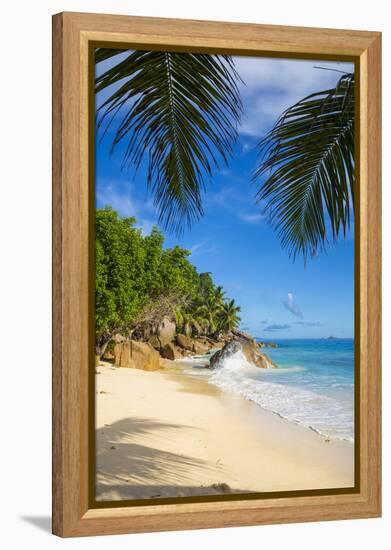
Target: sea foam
[330,417]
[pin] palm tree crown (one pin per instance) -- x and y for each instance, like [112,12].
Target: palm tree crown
[178,112]
[309,163]
[228,316]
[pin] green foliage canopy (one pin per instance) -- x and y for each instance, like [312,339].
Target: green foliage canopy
[133,272]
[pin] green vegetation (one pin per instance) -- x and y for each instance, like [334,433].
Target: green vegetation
[179,114]
[138,281]
[228,316]
[309,159]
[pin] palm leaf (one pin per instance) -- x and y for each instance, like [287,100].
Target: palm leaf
[180,113]
[308,158]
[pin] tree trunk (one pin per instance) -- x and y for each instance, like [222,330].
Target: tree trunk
[216,335]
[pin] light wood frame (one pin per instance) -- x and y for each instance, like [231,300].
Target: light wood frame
[72,34]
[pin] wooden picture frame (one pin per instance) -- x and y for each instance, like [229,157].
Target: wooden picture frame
[73,36]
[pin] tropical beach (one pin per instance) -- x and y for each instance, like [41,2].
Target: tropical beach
[169,434]
[188,404]
[224,275]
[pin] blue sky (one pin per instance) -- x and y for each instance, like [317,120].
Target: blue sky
[279,298]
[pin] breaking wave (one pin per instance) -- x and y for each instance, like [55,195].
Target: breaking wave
[322,413]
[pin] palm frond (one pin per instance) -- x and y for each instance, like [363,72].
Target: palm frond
[308,161]
[101,54]
[180,113]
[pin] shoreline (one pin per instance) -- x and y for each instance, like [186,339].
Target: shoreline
[217,390]
[166,434]
[186,363]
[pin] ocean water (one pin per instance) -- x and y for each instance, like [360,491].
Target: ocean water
[313,386]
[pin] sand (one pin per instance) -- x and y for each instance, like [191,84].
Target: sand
[165,434]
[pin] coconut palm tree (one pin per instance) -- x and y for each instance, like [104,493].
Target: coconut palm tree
[210,309]
[206,284]
[176,112]
[186,322]
[219,294]
[308,161]
[228,316]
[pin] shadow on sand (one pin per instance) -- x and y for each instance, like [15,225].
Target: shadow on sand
[129,469]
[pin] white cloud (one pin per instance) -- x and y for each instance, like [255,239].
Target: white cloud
[246,147]
[120,200]
[291,306]
[146,226]
[307,323]
[272,85]
[275,328]
[120,196]
[195,247]
[252,218]
[199,248]
[227,196]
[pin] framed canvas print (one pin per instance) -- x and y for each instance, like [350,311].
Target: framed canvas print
[216,230]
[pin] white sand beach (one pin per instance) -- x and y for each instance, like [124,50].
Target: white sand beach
[165,434]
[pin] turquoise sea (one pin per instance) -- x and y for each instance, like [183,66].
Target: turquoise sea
[313,386]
